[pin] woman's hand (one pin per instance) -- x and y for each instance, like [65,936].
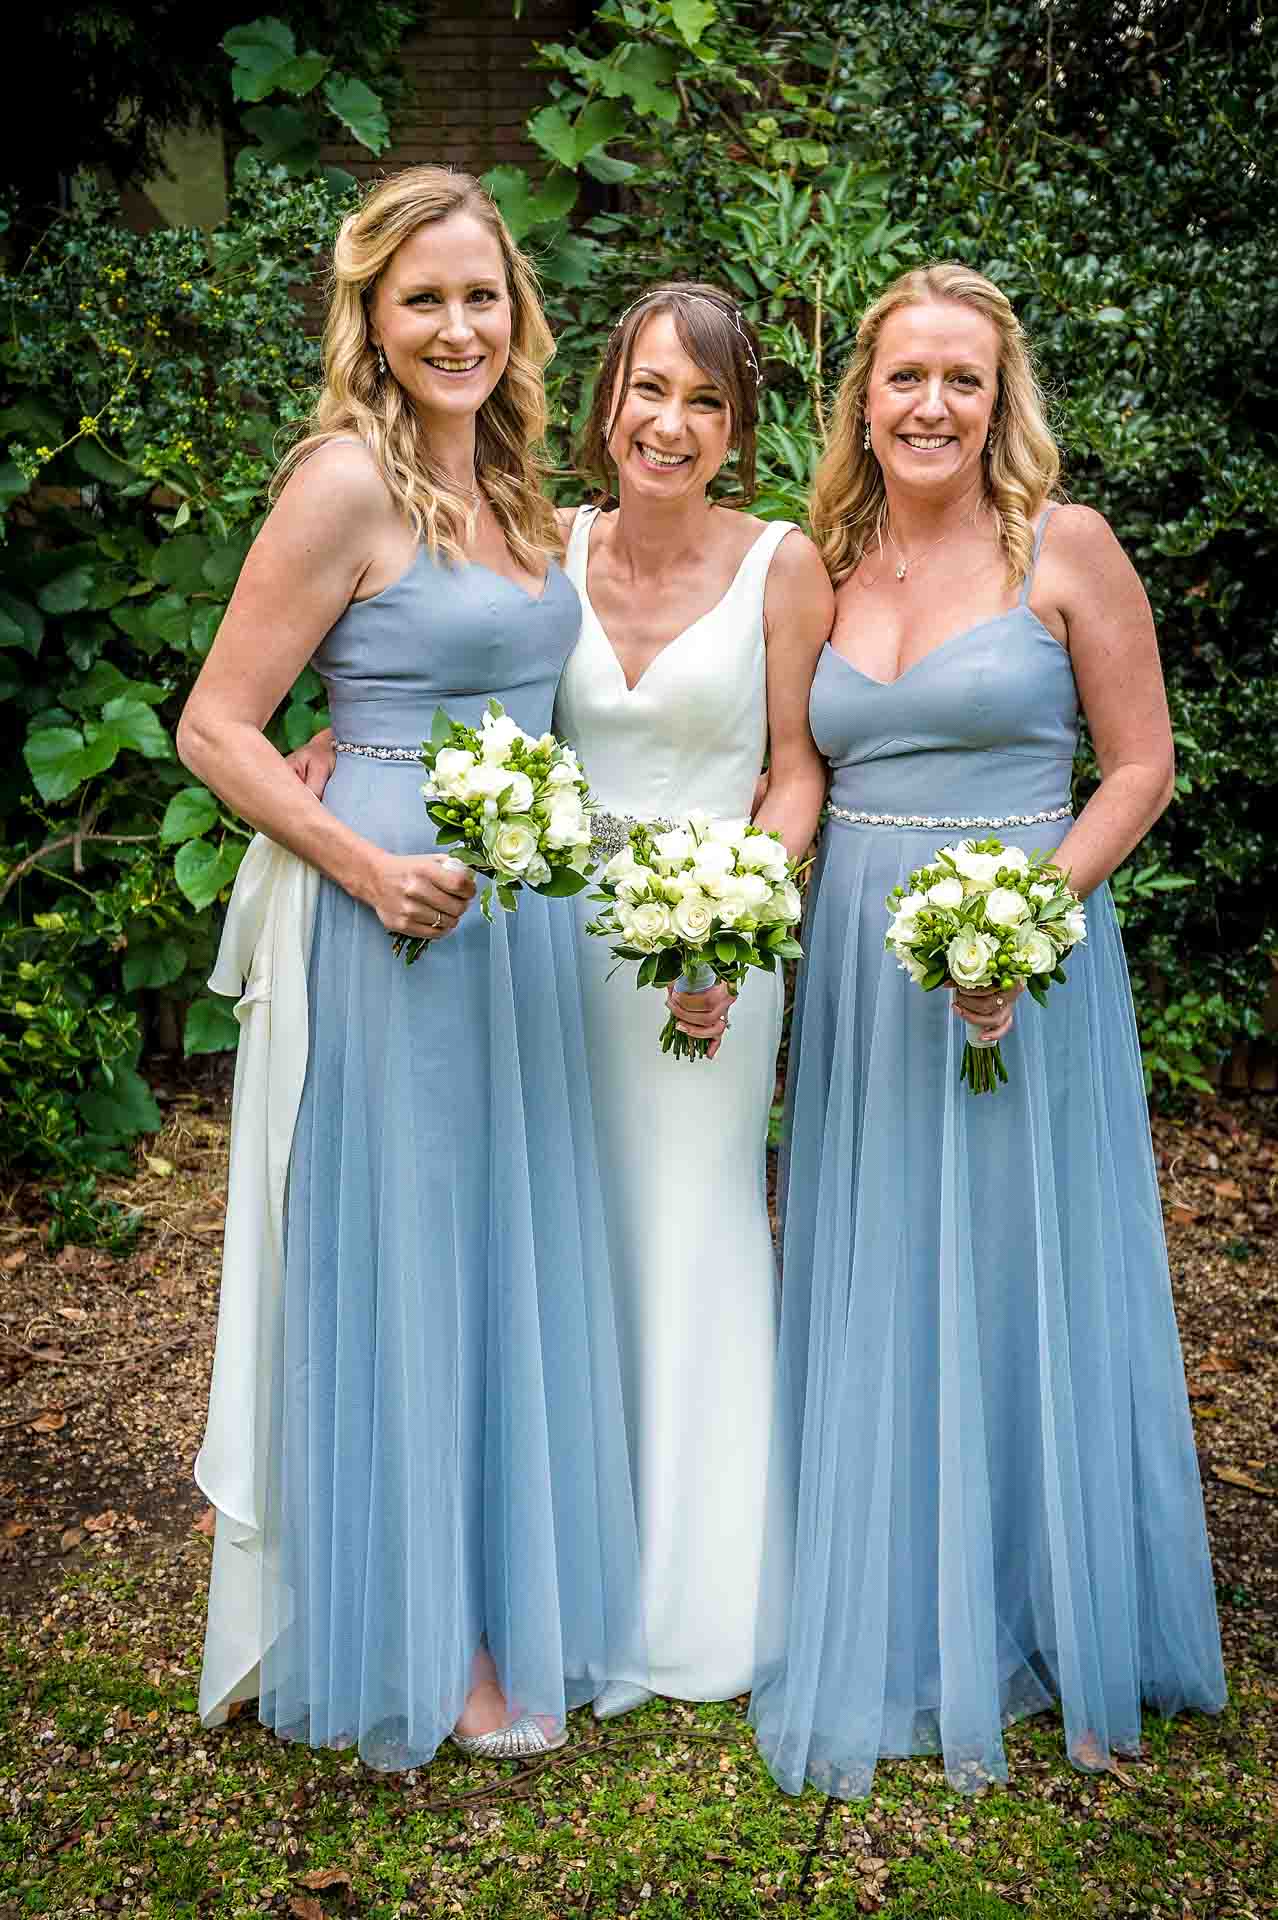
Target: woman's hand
[314,763]
[988,1012]
[423,895]
[703,1016]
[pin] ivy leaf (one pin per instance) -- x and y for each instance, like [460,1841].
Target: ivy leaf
[523,209]
[359,109]
[607,168]
[598,122]
[300,75]
[153,963]
[260,39]
[133,724]
[569,261]
[189,813]
[692,17]
[123,1109]
[59,759]
[21,624]
[67,592]
[645,75]
[211,1027]
[202,870]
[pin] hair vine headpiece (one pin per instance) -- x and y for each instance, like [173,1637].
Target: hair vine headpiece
[720,306]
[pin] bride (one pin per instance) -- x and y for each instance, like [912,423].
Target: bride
[701,630]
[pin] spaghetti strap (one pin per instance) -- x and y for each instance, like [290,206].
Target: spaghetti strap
[1038,547]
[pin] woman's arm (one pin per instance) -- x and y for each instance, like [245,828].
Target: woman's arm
[1115,657]
[301,574]
[798,616]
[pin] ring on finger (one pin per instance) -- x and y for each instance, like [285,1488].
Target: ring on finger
[438,921]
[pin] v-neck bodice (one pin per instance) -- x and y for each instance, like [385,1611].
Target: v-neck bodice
[986,723]
[692,730]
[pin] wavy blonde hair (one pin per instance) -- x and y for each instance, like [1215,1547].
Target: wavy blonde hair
[358,400]
[1021,460]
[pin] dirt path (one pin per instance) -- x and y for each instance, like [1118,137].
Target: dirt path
[104,1361]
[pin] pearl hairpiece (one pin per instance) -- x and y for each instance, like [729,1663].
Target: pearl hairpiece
[719,307]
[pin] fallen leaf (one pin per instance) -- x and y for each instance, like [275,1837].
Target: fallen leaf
[304,1908]
[48,1353]
[12,1261]
[1234,1477]
[71,1537]
[207,1521]
[74,1313]
[1182,1217]
[14,1529]
[1227,1189]
[102,1522]
[324,1877]
[1218,1362]
[52,1420]
[647,1804]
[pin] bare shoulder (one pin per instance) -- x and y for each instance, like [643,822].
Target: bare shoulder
[798,570]
[565,517]
[339,484]
[1079,535]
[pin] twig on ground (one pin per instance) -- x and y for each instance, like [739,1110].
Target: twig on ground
[82,1400]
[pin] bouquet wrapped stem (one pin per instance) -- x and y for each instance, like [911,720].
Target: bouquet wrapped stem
[985,916]
[701,901]
[510,807]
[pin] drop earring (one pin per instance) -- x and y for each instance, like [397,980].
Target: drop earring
[381,362]
[865,438]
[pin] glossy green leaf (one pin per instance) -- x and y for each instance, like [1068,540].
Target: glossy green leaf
[133,724]
[21,624]
[123,1109]
[211,1027]
[153,962]
[67,592]
[192,811]
[359,109]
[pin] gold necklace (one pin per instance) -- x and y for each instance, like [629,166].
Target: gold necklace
[904,565]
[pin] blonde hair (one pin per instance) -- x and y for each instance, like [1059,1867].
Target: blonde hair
[1021,460]
[358,400]
[715,334]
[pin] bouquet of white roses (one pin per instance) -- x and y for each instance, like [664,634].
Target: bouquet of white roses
[511,807]
[983,915]
[697,902]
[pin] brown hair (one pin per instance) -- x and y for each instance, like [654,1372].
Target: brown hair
[358,400]
[716,335]
[1021,463]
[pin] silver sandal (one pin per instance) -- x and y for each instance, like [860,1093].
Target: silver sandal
[523,1739]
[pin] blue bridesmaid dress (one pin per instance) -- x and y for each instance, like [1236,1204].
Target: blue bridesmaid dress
[449,1464]
[985,1491]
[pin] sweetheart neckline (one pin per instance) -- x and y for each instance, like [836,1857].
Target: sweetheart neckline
[964,633]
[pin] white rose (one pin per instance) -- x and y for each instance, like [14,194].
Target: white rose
[726,833]
[538,871]
[753,890]
[1004,907]
[620,865]
[452,770]
[979,868]
[945,893]
[1076,925]
[1034,952]
[674,846]
[786,904]
[518,793]
[968,957]
[760,853]
[649,923]
[711,865]
[499,734]
[694,916]
[563,774]
[635,883]
[912,905]
[1042,890]
[904,930]
[512,847]
[565,819]
[486,781]
[1014,857]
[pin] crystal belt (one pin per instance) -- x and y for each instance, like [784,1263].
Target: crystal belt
[946,820]
[378,753]
[610,832]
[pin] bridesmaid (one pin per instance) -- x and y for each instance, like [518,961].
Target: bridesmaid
[443,1533]
[981,1405]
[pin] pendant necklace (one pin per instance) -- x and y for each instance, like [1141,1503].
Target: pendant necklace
[903,565]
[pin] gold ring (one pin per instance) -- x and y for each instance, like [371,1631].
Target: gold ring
[439,919]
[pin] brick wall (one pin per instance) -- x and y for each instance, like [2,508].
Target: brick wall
[471,87]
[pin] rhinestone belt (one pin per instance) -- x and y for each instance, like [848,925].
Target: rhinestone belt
[949,819]
[610,832]
[378,753]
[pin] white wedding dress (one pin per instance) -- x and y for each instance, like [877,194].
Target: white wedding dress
[682,1144]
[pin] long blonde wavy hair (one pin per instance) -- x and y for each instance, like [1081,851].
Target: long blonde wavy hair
[357,400]
[1021,460]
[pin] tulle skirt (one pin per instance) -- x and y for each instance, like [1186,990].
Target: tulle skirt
[984,1494]
[449,1464]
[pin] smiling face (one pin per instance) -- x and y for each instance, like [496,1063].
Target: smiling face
[671,425]
[931,394]
[442,315]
